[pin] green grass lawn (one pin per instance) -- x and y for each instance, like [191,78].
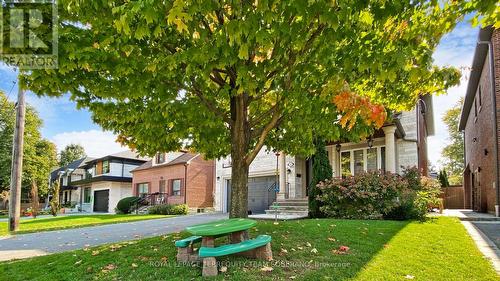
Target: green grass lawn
[438,249]
[73,221]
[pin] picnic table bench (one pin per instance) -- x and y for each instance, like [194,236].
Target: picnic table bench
[239,243]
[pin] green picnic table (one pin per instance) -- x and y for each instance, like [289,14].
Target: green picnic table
[239,243]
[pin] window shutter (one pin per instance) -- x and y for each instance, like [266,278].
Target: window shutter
[182,188]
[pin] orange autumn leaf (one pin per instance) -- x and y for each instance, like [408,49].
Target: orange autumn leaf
[353,107]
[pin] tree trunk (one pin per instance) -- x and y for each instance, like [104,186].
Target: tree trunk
[34,199]
[240,138]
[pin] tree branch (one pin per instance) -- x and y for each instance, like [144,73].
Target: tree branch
[260,143]
[210,105]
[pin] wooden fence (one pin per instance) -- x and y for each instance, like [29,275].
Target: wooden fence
[453,197]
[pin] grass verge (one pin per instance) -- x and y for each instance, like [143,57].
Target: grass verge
[438,249]
[72,221]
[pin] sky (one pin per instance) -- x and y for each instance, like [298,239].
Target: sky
[65,124]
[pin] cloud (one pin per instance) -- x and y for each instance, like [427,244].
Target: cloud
[96,143]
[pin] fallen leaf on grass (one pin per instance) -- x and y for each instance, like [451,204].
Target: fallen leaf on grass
[78,262]
[341,250]
[109,267]
[95,253]
[143,258]
[164,259]
[408,276]
[314,251]
[332,239]
[223,269]
[114,247]
[134,265]
[300,248]
[266,269]
[284,251]
[308,244]
[89,269]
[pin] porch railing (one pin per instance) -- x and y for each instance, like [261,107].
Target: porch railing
[151,199]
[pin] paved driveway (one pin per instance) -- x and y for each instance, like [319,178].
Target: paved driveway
[43,243]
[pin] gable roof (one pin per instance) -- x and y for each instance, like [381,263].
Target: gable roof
[184,158]
[475,74]
[71,166]
[126,155]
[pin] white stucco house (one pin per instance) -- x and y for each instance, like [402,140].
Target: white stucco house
[398,144]
[96,185]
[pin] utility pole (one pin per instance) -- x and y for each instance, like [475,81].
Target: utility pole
[17,163]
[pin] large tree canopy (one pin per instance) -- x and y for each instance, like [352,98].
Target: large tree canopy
[71,153]
[223,75]
[39,156]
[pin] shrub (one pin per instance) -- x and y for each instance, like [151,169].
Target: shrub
[126,204]
[167,209]
[366,196]
[376,195]
[321,170]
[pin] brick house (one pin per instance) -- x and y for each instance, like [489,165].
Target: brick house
[479,123]
[176,178]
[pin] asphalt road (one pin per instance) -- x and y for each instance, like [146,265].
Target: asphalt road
[43,243]
[490,229]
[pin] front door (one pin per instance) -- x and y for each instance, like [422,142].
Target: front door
[101,200]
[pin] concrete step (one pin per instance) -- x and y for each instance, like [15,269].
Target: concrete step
[286,203]
[280,217]
[293,200]
[287,212]
[286,207]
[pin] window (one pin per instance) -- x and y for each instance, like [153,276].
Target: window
[160,158]
[382,158]
[355,162]
[371,159]
[162,186]
[142,189]
[105,167]
[86,195]
[359,161]
[345,163]
[176,187]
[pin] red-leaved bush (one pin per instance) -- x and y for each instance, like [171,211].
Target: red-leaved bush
[375,195]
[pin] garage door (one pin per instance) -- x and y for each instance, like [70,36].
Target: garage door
[101,200]
[259,195]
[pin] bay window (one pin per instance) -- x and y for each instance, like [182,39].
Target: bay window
[356,161]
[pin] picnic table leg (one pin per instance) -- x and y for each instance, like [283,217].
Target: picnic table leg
[209,264]
[239,236]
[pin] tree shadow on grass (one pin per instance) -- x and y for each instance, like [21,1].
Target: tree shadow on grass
[309,249]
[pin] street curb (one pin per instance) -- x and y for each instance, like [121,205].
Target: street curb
[484,244]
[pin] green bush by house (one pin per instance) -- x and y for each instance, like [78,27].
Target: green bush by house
[126,204]
[379,195]
[166,209]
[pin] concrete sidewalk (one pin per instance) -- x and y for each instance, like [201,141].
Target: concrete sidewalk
[43,243]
